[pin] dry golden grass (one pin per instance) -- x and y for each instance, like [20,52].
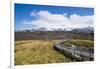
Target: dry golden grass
[37,52]
[79,42]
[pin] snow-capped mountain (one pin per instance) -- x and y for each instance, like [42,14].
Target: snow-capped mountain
[84,30]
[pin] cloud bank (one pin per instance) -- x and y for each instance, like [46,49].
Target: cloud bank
[55,21]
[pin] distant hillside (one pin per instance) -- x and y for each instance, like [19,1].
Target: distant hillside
[83,33]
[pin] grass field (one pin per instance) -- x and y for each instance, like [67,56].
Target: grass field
[37,52]
[79,42]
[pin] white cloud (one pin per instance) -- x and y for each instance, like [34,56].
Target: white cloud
[49,20]
[33,13]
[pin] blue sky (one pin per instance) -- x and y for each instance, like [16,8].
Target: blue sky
[32,14]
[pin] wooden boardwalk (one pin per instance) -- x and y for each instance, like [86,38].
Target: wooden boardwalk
[76,52]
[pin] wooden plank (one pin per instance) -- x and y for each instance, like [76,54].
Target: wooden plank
[74,51]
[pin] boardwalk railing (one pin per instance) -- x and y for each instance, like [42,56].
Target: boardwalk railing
[76,52]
